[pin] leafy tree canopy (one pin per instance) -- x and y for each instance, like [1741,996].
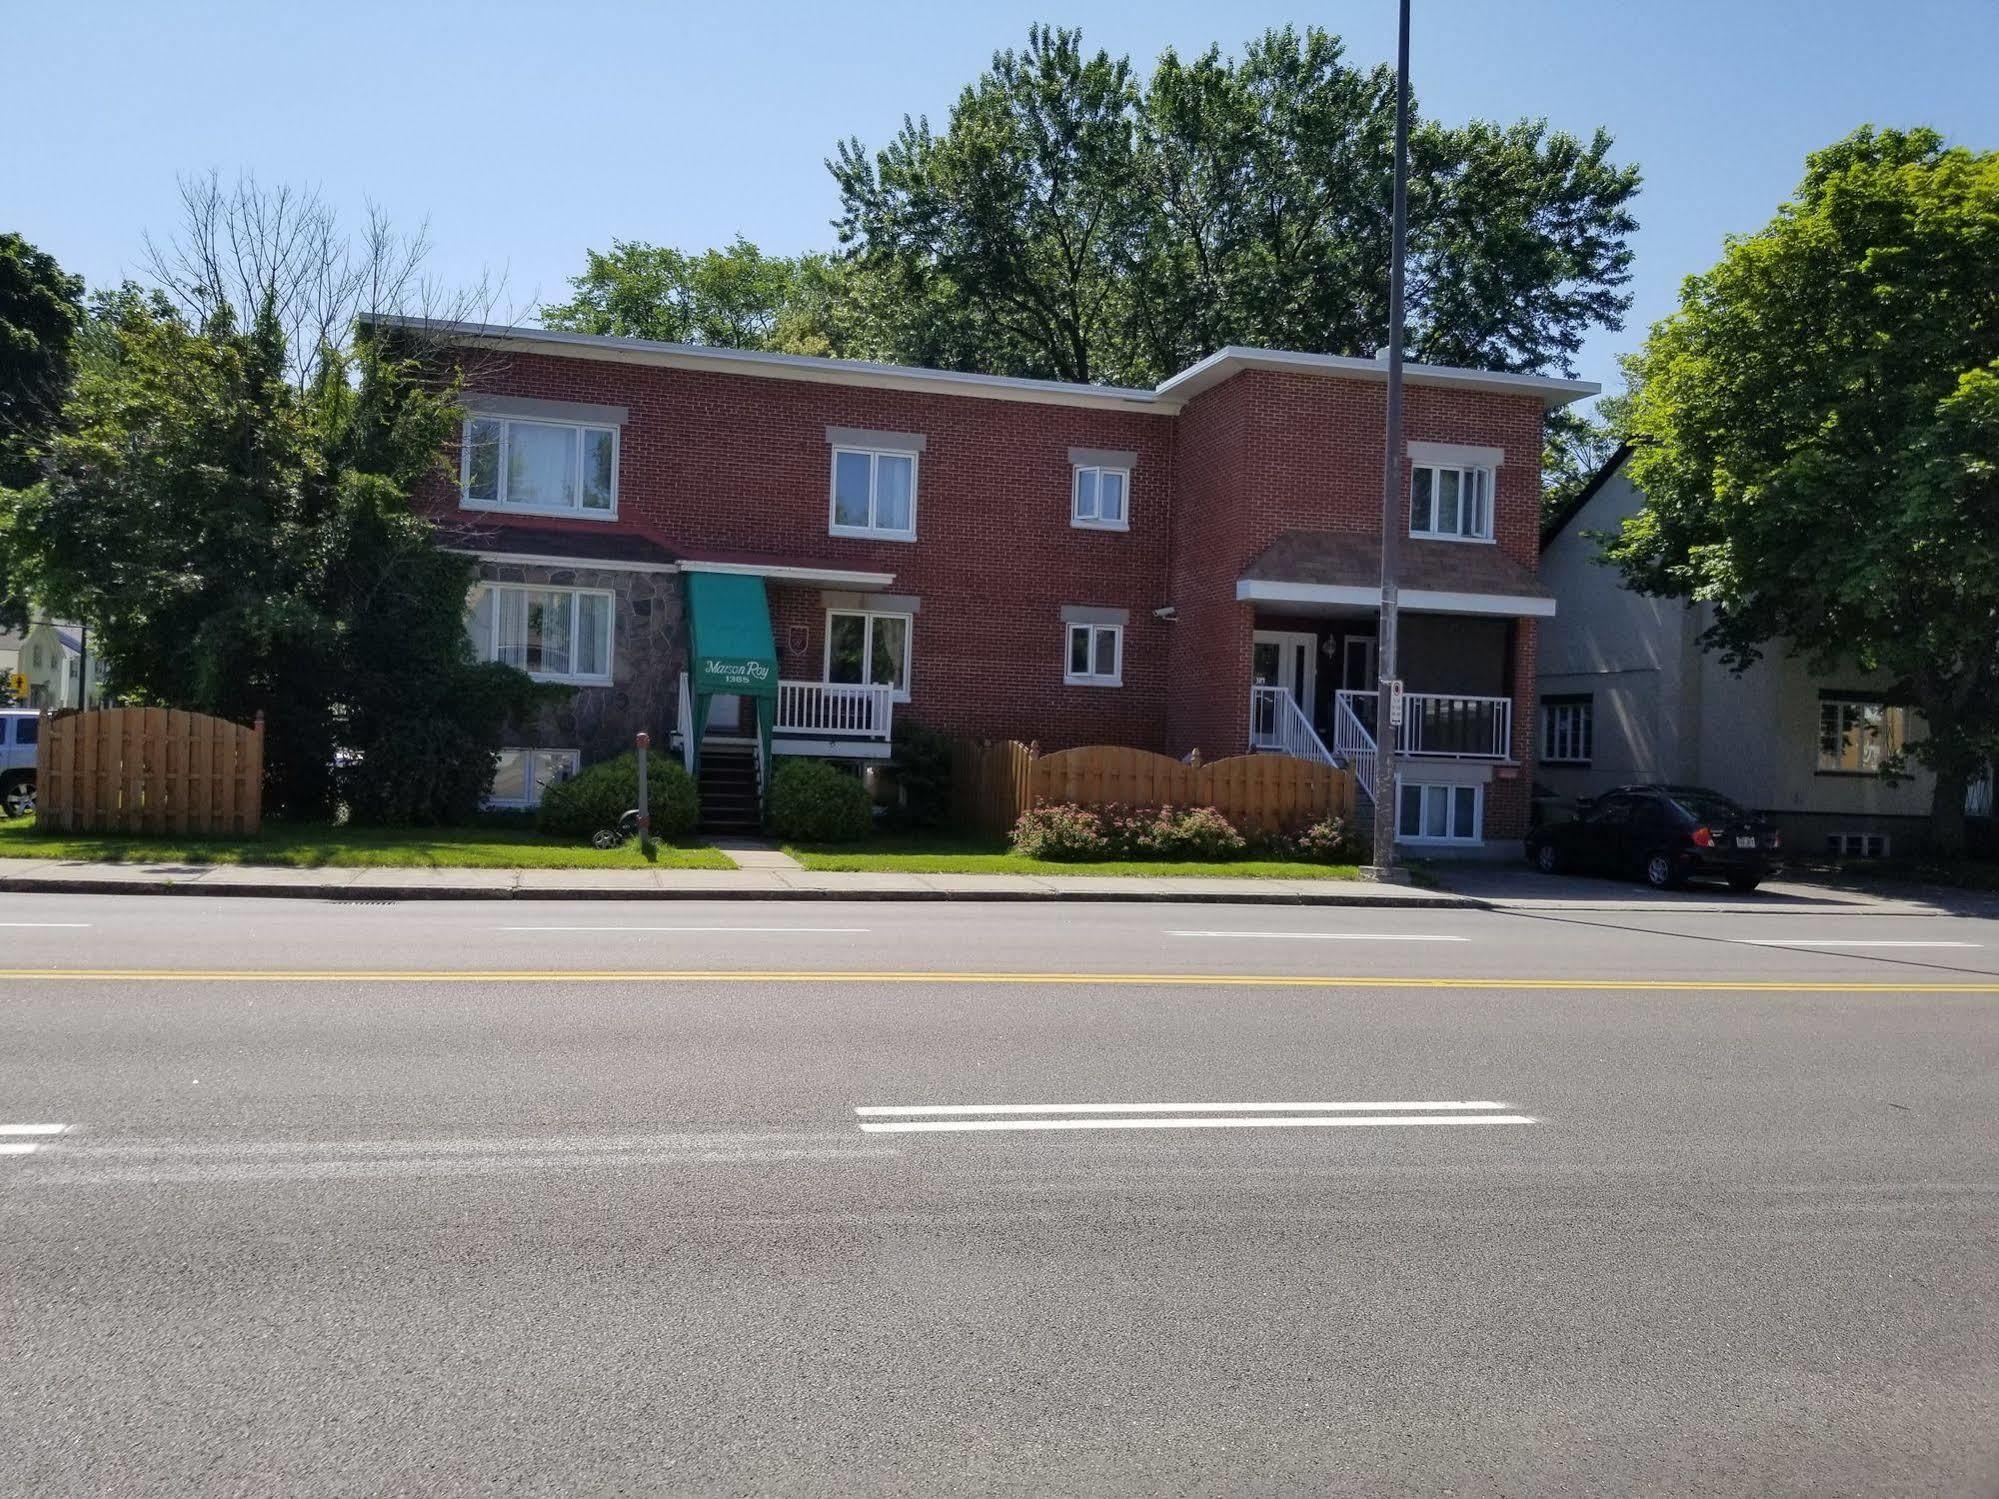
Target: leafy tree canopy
[1818,438]
[232,518]
[1076,221]
[736,297]
[1072,221]
[40,309]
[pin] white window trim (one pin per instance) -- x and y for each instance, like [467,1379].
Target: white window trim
[571,678]
[1477,834]
[499,503]
[1090,679]
[900,695]
[874,457]
[1549,713]
[508,803]
[1091,523]
[1491,535]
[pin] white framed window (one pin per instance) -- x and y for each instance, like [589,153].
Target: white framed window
[1095,657]
[868,649]
[874,493]
[1858,736]
[1100,498]
[552,634]
[1439,814]
[1568,729]
[548,468]
[523,774]
[1450,501]
[1857,845]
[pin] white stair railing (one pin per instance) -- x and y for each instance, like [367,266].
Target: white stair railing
[1277,723]
[1352,742]
[685,723]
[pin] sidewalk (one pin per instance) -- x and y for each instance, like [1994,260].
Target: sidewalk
[762,883]
[1474,887]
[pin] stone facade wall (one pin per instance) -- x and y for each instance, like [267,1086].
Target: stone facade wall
[648,633]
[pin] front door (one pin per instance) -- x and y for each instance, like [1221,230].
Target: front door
[725,714]
[1286,659]
[1357,664]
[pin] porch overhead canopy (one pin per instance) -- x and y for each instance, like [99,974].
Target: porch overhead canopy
[785,569]
[1344,568]
[729,639]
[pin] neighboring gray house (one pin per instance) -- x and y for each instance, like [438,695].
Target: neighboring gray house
[1627,694]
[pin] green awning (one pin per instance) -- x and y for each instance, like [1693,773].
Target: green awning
[729,646]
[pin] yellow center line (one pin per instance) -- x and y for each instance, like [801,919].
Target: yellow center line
[850,976]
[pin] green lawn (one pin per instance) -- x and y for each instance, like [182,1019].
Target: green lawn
[494,844]
[955,855]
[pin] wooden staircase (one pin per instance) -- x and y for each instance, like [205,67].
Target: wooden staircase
[728,788]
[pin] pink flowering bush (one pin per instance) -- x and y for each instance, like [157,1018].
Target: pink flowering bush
[1065,831]
[1330,840]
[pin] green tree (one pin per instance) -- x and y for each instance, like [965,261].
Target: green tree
[1069,223]
[233,516]
[40,310]
[1817,436]
[1575,446]
[736,297]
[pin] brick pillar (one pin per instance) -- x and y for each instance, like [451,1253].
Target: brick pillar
[1506,800]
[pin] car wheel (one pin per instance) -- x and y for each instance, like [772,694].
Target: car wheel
[1660,873]
[1547,859]
[19,797]
[1744,882]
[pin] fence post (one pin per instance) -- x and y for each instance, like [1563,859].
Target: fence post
[644,742]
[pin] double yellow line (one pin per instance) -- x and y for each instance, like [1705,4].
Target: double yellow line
[918,976]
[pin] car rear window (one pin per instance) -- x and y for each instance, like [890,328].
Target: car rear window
[1705,806]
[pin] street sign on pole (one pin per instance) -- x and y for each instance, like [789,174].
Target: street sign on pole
[1394,686]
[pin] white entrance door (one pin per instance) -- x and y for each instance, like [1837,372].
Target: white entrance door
[1281,658]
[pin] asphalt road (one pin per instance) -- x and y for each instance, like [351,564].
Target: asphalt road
[468,1198]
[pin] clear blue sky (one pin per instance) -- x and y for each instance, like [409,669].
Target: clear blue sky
[524,133]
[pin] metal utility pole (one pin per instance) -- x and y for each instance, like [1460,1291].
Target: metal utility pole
[1388,706]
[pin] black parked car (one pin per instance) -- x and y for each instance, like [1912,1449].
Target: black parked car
[1664,834]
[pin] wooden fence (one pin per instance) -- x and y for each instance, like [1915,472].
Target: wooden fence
[993,783]
[149,770]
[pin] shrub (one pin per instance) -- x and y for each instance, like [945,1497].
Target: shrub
[1330,840]
[813,802]
[1062,831]
[1197,833]
[606,791]
[922,760]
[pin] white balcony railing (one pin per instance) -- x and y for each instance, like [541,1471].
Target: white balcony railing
[834,710]
[1278,724]
[1443,725]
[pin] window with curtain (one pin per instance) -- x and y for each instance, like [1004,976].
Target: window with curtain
[557,634]
[1097,499]
[874,494]
[1858,735]
[868,650]
[542,466]
[1568,729]
[1438,814]
[1455,503]
[1096,656]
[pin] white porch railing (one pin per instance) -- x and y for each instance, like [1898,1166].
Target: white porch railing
[1277,723]
[1353,744]
[1443,725]
[834,710]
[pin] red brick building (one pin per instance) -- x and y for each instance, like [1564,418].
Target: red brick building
[1190,567]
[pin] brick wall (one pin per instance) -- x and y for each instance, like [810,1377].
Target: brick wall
[725,462]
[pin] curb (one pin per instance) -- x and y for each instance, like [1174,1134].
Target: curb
[39,885]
